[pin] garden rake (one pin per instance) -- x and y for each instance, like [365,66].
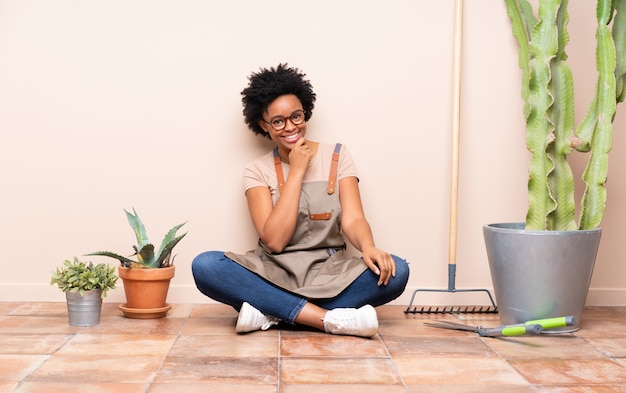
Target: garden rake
[458,11]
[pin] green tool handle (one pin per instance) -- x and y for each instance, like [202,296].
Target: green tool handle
[529,327]
[512,330]
[551,323]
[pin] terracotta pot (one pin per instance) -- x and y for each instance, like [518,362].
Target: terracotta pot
[146,288]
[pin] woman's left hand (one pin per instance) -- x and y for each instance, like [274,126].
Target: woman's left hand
[381,263]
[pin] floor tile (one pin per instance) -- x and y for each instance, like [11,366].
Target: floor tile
[570,371]
[88,368]
[212,387]
[437,346]
[36,325]
[602,322]
[180,310]
[14,368]
[7,387]
[33,344]
[7,307]
[457,370]
[342,388]
[121,325]
[134,344]
[110,310]
[417,328]
[621,361]
[486,319]
[177,310]
[65,387]
[565,346]
[195,349]
[339,370]
[614,347]
[591,313]
[213,311]
[449,388]
[229,345]
[41,309]
[583,389]
[251,370]
[392,313]
[297,330]
[329,345]
[215,326]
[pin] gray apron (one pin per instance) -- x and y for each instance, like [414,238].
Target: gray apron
[314,264]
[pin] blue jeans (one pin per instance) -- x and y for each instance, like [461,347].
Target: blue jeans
[226,281]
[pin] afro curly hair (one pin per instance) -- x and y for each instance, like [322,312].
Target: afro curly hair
[267,85]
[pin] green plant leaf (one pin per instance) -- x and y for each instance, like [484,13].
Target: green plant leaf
[561,179]
[145,256]
[523,21]
[169,236]
[594,197]
[138,228]
[167,249]
[120,258]
[539,126]
[604,11]
[619,38]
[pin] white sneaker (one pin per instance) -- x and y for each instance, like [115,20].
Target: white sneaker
[352,321]
[251,319]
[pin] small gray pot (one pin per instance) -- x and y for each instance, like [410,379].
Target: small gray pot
[84,310]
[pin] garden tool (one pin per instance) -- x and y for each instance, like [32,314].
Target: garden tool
[454,181]
[529,327]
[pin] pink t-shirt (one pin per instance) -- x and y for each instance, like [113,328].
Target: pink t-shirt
[262,173]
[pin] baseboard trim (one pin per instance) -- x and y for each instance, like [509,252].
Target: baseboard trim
[26,292]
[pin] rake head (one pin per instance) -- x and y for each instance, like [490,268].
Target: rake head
[451,310]
[491,309]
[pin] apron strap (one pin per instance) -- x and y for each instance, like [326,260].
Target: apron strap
[332,177]
[279,170]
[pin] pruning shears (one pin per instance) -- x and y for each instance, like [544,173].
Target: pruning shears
[528,327]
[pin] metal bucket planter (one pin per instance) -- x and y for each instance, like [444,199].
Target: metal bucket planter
[540,274]
[84,310]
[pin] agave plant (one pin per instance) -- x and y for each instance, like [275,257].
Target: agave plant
[548,93]
[144,250]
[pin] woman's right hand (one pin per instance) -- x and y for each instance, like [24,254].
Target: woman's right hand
[276,224]
[300,156]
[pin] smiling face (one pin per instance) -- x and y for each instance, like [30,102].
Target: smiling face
[284,107]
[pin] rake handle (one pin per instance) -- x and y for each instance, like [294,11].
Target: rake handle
[456,110]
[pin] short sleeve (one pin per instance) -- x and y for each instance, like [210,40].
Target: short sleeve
[346,167]
[260,173]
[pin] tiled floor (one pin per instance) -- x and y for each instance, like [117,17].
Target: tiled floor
[195,349]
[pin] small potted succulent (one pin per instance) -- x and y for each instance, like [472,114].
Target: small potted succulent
[84,284]
[147,278]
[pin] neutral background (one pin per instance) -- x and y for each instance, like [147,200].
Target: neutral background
[106,105]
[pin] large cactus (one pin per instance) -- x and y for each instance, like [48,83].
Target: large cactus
[548,93]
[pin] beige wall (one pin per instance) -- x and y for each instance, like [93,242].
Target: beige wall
[106,105]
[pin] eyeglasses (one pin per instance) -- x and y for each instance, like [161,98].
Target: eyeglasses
[278,122]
